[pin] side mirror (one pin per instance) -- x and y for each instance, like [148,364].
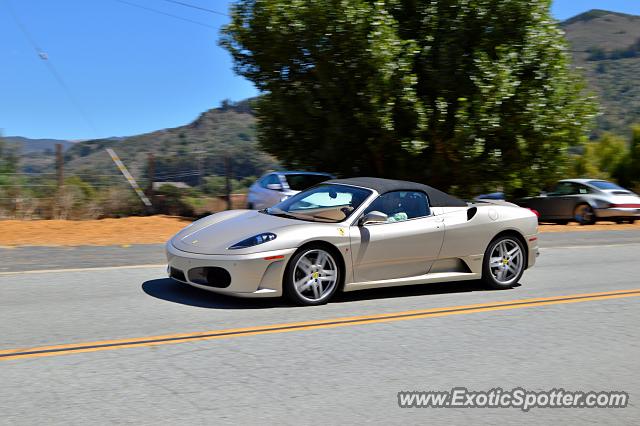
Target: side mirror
[373,217]
[274,186]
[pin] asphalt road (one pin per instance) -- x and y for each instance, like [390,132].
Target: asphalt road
[44,258]
[307,375]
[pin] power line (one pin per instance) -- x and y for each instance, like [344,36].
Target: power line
[39,174]
[52,69]
[150,9]
[193,6]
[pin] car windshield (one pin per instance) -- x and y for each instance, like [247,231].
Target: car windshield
[302,181]
[603,184]
[323,203]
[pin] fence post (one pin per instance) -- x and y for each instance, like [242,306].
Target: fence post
[59,166]
[60,181]
[151,174]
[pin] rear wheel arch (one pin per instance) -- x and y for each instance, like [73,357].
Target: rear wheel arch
[496,275]
[591,203]
[519,237]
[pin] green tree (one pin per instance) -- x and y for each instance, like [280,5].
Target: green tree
[8,157]
[628,171]
[462,94]
[217,185]
[601,159]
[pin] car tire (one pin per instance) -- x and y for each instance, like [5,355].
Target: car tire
[584,214]
[507,271]
[632,221]
[312,276]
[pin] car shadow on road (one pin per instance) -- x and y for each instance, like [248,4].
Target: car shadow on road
[184,294]
[176,292]
[414,290]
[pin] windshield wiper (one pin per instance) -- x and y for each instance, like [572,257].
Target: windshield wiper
[277,212]
[298,216]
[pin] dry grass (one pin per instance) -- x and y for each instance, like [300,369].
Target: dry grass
[152,230]
[600,226]
[130,230]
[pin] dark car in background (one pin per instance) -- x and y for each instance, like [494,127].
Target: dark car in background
[275,187]
[585,201]
[492,196]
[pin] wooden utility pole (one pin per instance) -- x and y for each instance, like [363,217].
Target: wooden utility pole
[151,174]
[59,167]
[58,205]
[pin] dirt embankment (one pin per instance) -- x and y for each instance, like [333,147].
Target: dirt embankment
[103,232]
[600,226]
[153,230]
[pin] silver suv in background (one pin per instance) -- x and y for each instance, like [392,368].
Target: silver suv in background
[274,187]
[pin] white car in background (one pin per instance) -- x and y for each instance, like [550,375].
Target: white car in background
[275,187]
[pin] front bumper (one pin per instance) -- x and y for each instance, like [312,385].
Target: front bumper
[252,275]
[618,213]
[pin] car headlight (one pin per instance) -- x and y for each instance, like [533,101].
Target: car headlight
[254,241]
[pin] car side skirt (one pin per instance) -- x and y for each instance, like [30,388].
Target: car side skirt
[437,277]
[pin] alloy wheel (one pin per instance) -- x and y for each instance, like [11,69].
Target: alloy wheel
[506,261]
[315,275]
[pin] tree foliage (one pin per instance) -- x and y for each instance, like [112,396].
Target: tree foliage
[8,157]
[610,157]
[600,159]
[628,171]
[462,94]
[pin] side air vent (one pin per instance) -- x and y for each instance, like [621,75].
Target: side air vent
[471,212]
[450,265]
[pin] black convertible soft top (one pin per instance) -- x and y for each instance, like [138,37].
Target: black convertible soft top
[436,198]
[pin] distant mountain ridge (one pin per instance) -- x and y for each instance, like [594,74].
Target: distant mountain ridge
[33,146]
[607,46]
[593,14]
[180,153]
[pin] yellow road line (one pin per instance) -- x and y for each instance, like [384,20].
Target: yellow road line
[43,351]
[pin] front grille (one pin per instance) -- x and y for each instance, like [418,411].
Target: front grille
[176,274]
[210,276]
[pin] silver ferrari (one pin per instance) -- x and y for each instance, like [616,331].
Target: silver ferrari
[351,234]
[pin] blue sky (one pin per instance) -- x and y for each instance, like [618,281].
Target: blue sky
[129,70]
